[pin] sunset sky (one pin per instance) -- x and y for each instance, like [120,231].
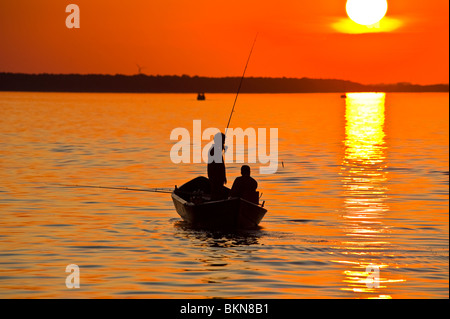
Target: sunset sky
[296,38]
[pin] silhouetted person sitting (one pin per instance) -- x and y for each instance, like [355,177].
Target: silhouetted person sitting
[216,168]
[245,186]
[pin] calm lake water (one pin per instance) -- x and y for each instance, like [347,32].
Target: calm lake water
[361,181]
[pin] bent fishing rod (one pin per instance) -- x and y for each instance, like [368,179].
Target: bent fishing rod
[240,85]
[153,190]
[164,190]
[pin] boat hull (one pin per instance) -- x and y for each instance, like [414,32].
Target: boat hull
[234,213]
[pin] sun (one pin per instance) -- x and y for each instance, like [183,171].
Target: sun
[366,12]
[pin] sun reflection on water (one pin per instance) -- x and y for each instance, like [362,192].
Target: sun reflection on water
[364,180]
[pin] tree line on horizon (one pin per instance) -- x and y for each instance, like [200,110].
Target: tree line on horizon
[142,83]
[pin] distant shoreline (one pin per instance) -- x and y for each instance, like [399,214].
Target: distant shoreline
[98,83]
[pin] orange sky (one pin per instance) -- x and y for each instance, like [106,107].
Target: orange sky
[297,38]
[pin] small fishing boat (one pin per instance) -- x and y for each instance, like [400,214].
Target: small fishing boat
[192,202]
[201,97]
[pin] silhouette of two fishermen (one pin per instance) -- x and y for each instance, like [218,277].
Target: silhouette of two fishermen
[244,186]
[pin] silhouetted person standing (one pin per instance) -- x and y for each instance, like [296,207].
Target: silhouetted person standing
[216,168]
[245,186]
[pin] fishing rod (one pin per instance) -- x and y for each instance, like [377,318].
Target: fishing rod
[240,84]
[153,190]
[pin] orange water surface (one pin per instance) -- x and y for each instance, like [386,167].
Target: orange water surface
[361,181]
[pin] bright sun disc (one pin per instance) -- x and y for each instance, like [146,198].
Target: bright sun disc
[366,12]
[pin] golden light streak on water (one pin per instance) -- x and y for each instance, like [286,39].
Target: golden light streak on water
[364,181]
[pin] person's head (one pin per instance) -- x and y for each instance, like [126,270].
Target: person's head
[245,170]
[219,139]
